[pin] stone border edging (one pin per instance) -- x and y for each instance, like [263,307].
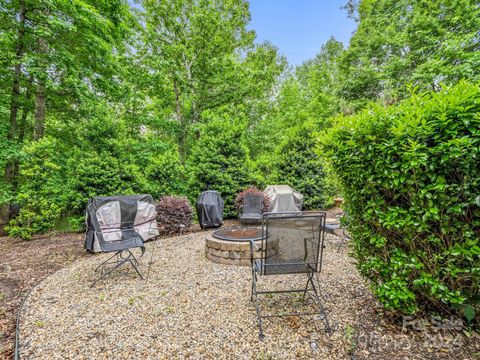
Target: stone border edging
[20,308]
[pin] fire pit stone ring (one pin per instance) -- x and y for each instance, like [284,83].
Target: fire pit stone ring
[232,246]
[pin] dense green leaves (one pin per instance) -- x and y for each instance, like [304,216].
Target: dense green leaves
[174,97]
[299,166]
[411,175]
[402,42]
[201,57]
[220,161]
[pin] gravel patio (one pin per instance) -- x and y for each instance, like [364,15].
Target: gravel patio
[190,307]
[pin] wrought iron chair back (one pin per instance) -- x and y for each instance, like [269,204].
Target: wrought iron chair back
[252,208]
[297,240]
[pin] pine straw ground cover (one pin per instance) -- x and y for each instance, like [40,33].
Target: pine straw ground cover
[190,307]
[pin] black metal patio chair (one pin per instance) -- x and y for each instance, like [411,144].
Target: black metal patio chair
[295,243]
[118,224]
[251,209]
[122,253]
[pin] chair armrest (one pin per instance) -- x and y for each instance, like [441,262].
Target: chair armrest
[121,244]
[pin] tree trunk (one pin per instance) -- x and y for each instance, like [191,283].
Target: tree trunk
[27,107]
[39,111]
[181,121]
[14,103]
[22,126]
[195,111]
[40,96]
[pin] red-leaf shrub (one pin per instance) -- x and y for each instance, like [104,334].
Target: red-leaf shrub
[255,191]
[173,211]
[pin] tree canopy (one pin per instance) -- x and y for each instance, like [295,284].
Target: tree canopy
[176,96]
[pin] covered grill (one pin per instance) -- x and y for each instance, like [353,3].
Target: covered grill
[210,209]
[284,199]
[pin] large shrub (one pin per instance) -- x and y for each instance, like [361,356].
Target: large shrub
[42,194]
[411,178]
[172,212]
[220,162]
[165,174]
[299,166]
[57,179]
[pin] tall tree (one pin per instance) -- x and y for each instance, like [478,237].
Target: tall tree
[64,53]
[319,79]
[15,95]
[199,54]
[400,42]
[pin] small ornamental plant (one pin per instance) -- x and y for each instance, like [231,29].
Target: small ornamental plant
[174,214]
[254,191]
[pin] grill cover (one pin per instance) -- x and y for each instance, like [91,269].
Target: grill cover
[114,221]
[284,199]
[210,209]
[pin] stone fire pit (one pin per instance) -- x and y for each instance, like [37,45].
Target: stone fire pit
[232,246]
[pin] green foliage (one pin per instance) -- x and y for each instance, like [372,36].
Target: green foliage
[411,177]
[42,195]
[192,50]
[166,175]
[299,166]
[319,79]
[307,96]
[220,161]
[58,179]
[401,42]
[99,174]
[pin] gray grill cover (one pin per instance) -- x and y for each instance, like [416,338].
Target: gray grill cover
[210,209]
[119,222]
[284,199]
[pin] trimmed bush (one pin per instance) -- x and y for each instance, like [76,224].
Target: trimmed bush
[299,166]
[173,211]
[411,177]
[253,190]
[220,161]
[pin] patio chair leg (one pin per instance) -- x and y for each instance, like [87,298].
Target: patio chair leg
[340,245]
[107,261]
[105,273]
[320,305]
[130,258]
[259,319]
[309,280]
[134,264]
[254,296]
[253,284]
[344,237]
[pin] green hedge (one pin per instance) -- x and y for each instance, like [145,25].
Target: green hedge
[220,161]
[411,178]
[298,165]
[57,180]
